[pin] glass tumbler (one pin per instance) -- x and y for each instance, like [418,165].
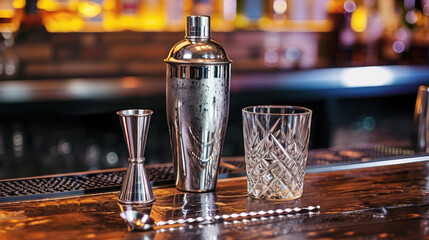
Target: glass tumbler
[276,148]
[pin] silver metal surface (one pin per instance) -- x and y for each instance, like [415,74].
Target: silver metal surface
[136,187]
[198,87]
[198,27]
[197,47]
[140,220]
[421,120]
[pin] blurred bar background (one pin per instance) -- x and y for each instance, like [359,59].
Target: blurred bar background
[66,66]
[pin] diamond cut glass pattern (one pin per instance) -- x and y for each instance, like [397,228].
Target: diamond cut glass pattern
[276,148]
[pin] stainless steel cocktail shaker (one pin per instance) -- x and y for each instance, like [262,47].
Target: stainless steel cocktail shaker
[198,83]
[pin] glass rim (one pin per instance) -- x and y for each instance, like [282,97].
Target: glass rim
[134,112]
[306,111]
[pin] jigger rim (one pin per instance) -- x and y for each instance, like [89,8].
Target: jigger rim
[134,112]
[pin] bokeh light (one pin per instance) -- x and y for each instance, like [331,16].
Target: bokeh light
[349,6]
[398,46]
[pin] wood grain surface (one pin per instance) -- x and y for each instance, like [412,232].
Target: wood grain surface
[372,203]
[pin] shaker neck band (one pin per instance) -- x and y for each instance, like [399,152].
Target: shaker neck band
[197,27]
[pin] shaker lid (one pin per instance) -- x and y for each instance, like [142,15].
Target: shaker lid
[197,27]
[197,47]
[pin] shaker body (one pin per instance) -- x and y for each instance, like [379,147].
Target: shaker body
[197,115]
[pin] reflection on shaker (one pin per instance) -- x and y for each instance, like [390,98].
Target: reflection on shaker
[192,205]
[199,205]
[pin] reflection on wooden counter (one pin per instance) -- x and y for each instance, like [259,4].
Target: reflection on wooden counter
[384,202]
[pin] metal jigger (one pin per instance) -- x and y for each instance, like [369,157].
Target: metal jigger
[136,187]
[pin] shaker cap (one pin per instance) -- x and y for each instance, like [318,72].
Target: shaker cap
[197,47]
[198,26]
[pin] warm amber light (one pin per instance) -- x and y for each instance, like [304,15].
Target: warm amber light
[359,19]
[129,82]
[109,5]
[47,5]
[241,21]
[19,3]
[8,10]
[7,13]
[153,21]
[112,22]
[53,5]
[89,9]
[264,21]
[63,22]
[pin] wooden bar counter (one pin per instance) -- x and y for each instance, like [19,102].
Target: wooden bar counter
[370,203]
[381,202]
